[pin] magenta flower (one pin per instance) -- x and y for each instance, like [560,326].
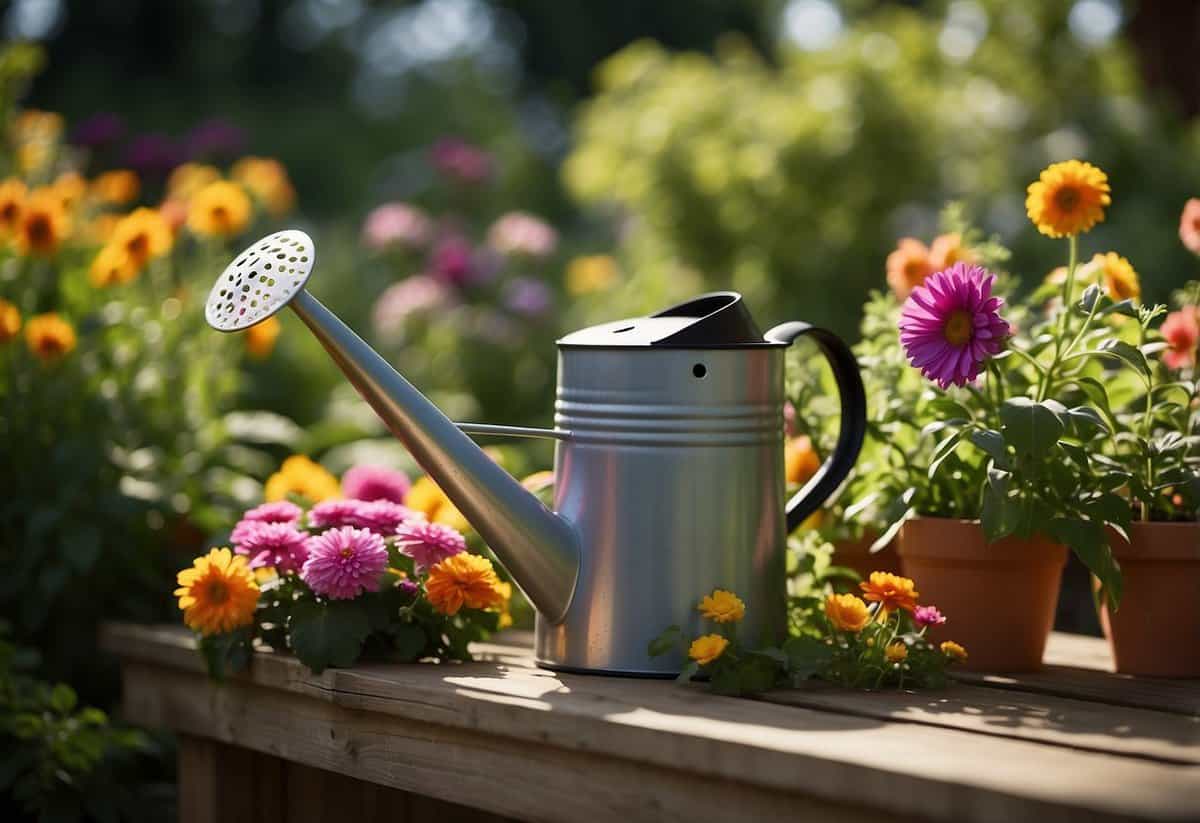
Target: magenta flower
[375,483]
[429,543]
[928,616]
[950,324]
[453,262]
[281,511]
[397,224]
[332,514]
[408,588]
[281,545]
[384,516]
[343,563]
[460,161]
[522,234]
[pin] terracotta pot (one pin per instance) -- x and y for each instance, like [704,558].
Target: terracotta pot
[998,599]
[856,554]
[1156,631]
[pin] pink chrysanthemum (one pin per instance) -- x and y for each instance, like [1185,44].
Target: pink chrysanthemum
[384,517]
[429,543]
[928,616]
[331,514]
[951,324]
[343,563]
[281,545]
[281,511]
[375,483]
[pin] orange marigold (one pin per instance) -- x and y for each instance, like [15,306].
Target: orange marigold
[846,612]
[144,235]
[1068,198]
[220,209]
[908,266]
[891,591]
[260,338]
[49,337]
[948,249]
[12,203]
[112,266]
[44,224]
[10,321]
[464,579]
[800,459]
[116,187]
[218,593]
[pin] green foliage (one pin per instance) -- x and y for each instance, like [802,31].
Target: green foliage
[59,758]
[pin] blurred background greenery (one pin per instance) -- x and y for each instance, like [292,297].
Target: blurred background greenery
[563,164]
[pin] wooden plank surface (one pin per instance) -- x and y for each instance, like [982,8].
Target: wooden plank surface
[568,743]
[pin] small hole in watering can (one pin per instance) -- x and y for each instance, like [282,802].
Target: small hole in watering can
[622,329]
[699,370]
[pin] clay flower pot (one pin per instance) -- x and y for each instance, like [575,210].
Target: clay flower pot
[1156,631]
[998,598]
[856,554]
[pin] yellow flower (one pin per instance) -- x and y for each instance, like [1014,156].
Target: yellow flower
[144,235]
[70,188]
[463,579]
[189,178]
[260,338]
[908,266]
[112,266]
[591,273]
[846,612]
[34,124]
[1068,198]
[10,321]
[896,652]
[891,591]
[49,337]
[265,574]
[800,459]
[12,203]
[301,476]
[954,651]
[427,497]
[449,515]
[267,180]
[1120,280]
[220,209]
[218,593]
[948,249]
[707,648]
[722,606]
[116,187]
[44,224]
[506,618]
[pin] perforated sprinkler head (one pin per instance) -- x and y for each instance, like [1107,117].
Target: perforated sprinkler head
[260,281]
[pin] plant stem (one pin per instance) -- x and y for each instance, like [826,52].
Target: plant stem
[1064,319]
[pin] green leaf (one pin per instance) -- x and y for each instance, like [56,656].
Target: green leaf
[328,634]
[945,449]
[1096,393]
[1125,307]
[1029,427]
[62,698]
[948,408]
[1129,354]
[1091,295]
[664,643]
[1087,420]
[806,656]
[1087,539]
[408,641]
[991,442]
[688,672]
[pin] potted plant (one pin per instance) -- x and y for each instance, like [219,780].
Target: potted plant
[999,462]
[1157,444]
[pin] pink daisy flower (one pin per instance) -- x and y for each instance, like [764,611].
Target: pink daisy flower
[375,483]
[928,616]
[950,324]
[429,543]
[281,545]
[331,514]
[343,563]
[384,516]
[281,511]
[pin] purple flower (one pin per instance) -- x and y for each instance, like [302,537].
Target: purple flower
[384,516]
[951,324]
[152,154]
[429,543]
[397,224]
[281,511]
[343,563]
[928,616]
[375,483]
[99,130]
[522,234]
[280,545]
[215,138]
[413,295]
[452,262]
[408,588]
[460,161]
[527,296]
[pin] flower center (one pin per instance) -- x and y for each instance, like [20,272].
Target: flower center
[40,232]
[913,270]
[346,552]
[1067,198]
[958,328]
[217,592]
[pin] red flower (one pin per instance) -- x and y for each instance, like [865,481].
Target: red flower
[1181,330]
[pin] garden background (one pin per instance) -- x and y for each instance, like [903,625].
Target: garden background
[548,165]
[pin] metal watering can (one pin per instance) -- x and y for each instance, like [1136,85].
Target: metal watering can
[669,465]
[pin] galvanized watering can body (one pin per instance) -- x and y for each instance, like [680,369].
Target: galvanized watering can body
[669,465]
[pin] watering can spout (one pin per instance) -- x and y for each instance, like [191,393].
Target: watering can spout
[538,547]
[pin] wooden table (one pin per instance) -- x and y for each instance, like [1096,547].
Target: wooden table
[442,742]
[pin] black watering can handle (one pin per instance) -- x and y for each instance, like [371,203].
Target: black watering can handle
[854,419]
